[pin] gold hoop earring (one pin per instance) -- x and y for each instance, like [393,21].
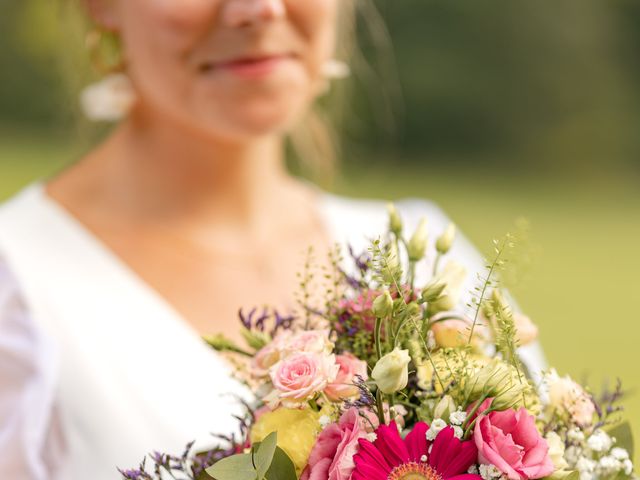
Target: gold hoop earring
[105,51]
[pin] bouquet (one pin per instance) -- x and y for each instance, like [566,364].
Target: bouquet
[390,380]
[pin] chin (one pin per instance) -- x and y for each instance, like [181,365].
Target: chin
[251,121]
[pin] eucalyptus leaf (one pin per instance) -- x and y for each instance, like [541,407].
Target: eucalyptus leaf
[263,454]
[623,435]
[282,467]
[236,467]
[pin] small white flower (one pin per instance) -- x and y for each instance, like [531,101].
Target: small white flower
[458,432]
[585,465]
[587,476]
[619,454]
[372,437]
[458,418]
[489,472]
[572,454]
[473,469]
[575,435]
[423,458]
[430,448]
[599,441]
[436,427]
[627,466]
[324,420]
[608,465]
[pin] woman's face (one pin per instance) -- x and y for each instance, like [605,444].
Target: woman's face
[235,69]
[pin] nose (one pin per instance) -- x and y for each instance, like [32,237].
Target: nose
[243,13]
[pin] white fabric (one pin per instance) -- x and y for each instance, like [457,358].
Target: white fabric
[96,369]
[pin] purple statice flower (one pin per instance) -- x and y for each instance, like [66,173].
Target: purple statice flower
[365,398]
[267,320]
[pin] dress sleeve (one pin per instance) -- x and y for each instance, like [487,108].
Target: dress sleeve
[31,441]
[465,252]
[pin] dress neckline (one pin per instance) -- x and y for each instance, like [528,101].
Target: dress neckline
[93,245]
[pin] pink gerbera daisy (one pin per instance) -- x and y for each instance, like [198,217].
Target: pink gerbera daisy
[390,457]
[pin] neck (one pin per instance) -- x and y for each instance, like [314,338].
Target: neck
[162,169]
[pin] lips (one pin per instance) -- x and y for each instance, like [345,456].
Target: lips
[248,66]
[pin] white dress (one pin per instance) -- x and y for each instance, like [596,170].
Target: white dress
[96,368]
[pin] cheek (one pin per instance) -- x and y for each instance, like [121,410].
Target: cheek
[159,34]
[316,22]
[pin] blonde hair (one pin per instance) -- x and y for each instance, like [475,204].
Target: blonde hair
[316,141]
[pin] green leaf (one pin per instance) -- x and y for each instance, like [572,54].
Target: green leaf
[236,467]
[564,475]
[263,454]
[282,467]
[623,435]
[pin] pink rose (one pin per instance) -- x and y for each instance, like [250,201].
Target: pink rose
[510,440]
[332,456]
[300,376]
[266,358]
[343,386]
[316,341]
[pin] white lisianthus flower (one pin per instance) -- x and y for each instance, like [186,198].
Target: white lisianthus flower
[391,372]
[556,450]
[453,276]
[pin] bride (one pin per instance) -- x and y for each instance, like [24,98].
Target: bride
[112,270]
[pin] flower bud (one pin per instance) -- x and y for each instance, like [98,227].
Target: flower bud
[453,276]
[417,246]
[445,241]
[221,343]
[444,408]
[433,291]
[383,305]
[391,372]
[500,381]
[395,222]
[413,309]
[255,339]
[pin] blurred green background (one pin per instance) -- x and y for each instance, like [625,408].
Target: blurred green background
[508,108]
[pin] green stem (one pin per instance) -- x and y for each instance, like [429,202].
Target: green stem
[380,407]
[378,333]
[469,424]
[436,263]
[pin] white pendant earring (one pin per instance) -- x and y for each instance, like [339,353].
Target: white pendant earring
[336,69]
[109,99]
[332,70]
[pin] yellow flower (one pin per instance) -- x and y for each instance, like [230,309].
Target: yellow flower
[297,431]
